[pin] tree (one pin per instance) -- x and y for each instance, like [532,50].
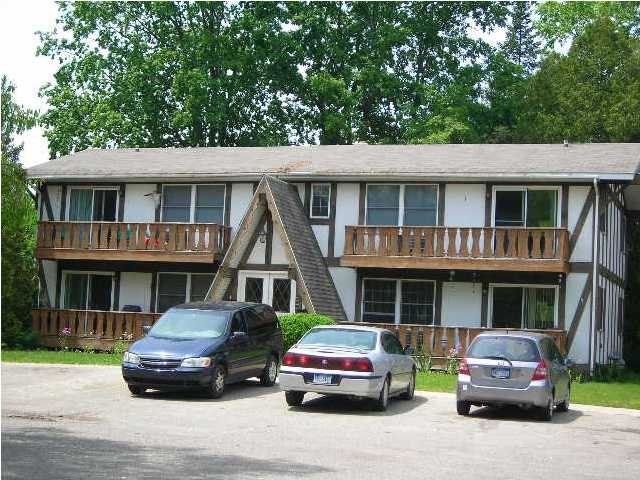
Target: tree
[18,223]
[592,94]
[521,46]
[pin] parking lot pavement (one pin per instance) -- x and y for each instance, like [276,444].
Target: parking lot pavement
[77,422]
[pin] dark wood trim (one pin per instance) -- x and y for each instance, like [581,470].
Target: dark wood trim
[159,206]
[332,261]
[564,207]
[154,288]
[307,199]
[252,241]
[63,203]
[228,188]
[116,292]
[58,284]
[47,203]
[488,204]
[562,302]
[611,195]
[484,312]
[611,276]
[332,220]
[468,276]
[580,267]
[442,190]
[358,309]
[362,201]
[319,221]
[272,267]
[575,233]
[43,283]
[577,315]
[39,204]
[137,266]
[437,304]
[121,193]
[268,247]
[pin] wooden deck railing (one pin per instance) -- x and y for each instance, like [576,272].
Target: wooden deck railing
[59,239]
[448,246]
[88,328]
[436,340]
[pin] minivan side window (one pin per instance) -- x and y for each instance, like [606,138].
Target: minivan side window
[237,323]
[254,322]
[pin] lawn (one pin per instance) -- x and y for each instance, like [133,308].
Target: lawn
[624,393]
[52,356]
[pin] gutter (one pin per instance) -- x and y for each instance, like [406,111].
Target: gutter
[594,278]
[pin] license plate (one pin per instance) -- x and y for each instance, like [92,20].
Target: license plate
[322,378]
[500,372]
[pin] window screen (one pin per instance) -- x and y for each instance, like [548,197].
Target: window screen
[176,203]
[199,287]
[507,307]
[172,290]
[509,209]
[416,302]
[420,204]
[383,204]
[210,204]
[320,200]
[539,308]
[379,301]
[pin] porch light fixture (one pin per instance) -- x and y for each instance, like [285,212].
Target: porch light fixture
[262,236]
[156,197]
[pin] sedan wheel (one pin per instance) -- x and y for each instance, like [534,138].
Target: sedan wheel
[383,400]
[411,388]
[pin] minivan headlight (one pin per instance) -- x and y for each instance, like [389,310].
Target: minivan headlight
[196,362]
[131,358]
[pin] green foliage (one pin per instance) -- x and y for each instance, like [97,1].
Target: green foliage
[423,361]
[295,325]
[18,224]
[74,357]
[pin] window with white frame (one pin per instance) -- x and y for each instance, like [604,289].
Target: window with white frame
[176,288]
[193,203]
[515,306]
[88,290]
[87,204]
[412,204]
[320,194]
[525,206]
[398,301]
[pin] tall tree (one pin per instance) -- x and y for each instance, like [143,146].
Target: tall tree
[18,222]
[522,45]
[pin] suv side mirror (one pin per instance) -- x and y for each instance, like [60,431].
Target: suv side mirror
[145,329]
[408,350]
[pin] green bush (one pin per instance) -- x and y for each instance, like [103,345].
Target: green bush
[295,325]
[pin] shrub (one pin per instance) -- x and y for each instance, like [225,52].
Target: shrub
[295,325]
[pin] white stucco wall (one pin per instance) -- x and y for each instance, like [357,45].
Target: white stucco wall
[347,200]
[579,352]
[241,195]
[322,236]
[583,248]
[137,206]
[55,199]
[135,289]
[278,255]
[345,281]
[464,205]
[461,304]
[257,254]
[50,268]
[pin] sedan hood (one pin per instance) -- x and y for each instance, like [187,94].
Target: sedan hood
[175,347]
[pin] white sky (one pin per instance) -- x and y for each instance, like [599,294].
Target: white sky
[19,22]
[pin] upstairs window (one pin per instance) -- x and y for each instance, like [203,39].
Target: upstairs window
[93,204]
[209,204]
[193,203]
[320,194]
[526,207]
[402,205]
[176,203]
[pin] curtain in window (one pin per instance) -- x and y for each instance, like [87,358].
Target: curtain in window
[539,308]
[379,302]
[210,204]
[172,290]
[176,203]
[383,204]
[416,303]
[80,203]
[420,205]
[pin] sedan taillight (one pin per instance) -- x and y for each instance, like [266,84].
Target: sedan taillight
[358,364]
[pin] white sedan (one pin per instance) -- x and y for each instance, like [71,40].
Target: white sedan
[348,360]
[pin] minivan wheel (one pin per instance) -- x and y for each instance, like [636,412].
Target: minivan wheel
[411,388]
[294,399]
[218,379]
[463,407]
[270,372]
[383,399]
[136,389]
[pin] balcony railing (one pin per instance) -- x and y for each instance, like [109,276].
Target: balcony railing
[91,329]
[482,248]
[194,242]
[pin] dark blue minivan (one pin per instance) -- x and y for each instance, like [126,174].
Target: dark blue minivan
[206,346]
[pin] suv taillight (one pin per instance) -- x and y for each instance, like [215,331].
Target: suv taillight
[464,367]
[541,372]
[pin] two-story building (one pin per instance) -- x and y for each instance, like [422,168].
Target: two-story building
[441,241]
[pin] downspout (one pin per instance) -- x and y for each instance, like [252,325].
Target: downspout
[594,277]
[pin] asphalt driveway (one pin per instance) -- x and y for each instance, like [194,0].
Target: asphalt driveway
[79,422]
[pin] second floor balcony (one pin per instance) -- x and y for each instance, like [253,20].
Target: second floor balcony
[131,241]
[451,248]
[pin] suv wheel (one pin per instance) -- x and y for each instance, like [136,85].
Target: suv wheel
[270,372]
[383,400]
[136,389]
[411,388]
[218,379]
[463,407]
[294,399]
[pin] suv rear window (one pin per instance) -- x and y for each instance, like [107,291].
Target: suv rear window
[514,349]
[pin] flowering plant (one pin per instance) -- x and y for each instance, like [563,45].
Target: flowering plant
[453,359]
[63,337]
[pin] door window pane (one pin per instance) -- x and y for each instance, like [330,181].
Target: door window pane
[417,303]
[210,204]
[281,301]
[253,289]
[75,291]
[379,302]
[320,194]
[176,203]
[199,287]
[383,204]
[541,208]
[539,307]
[104,205]
[100,292]
[507,307]
[80,204]
[509,209]
[172,290]
[420,204]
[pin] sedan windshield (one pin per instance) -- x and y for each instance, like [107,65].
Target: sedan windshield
[190,324]
[340,337]
[513,349]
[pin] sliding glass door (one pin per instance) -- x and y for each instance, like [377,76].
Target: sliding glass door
[92,204]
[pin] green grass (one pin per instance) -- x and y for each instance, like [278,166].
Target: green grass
[74,357]
[624,393]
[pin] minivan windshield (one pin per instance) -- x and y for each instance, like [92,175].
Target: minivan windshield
[190,324]
[340,337]
[513,349]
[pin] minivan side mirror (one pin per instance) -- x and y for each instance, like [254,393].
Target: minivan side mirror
[238,335]
[145,329]
[408,350]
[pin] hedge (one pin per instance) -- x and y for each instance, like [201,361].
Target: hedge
[295,325]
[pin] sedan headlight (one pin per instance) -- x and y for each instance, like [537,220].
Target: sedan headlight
[196,362]
[131,358]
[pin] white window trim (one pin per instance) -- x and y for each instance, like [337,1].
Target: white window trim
[92,188]
[401,200]
[398,305]
[524,188]
[192,206]
[63,287]
[522,285]
[188,285]
[311,215]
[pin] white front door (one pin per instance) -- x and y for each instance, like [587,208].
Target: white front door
[272,288]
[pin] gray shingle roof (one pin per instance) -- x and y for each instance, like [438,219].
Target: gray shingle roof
[539,161]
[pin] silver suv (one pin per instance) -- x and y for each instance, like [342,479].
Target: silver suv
[515,368]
